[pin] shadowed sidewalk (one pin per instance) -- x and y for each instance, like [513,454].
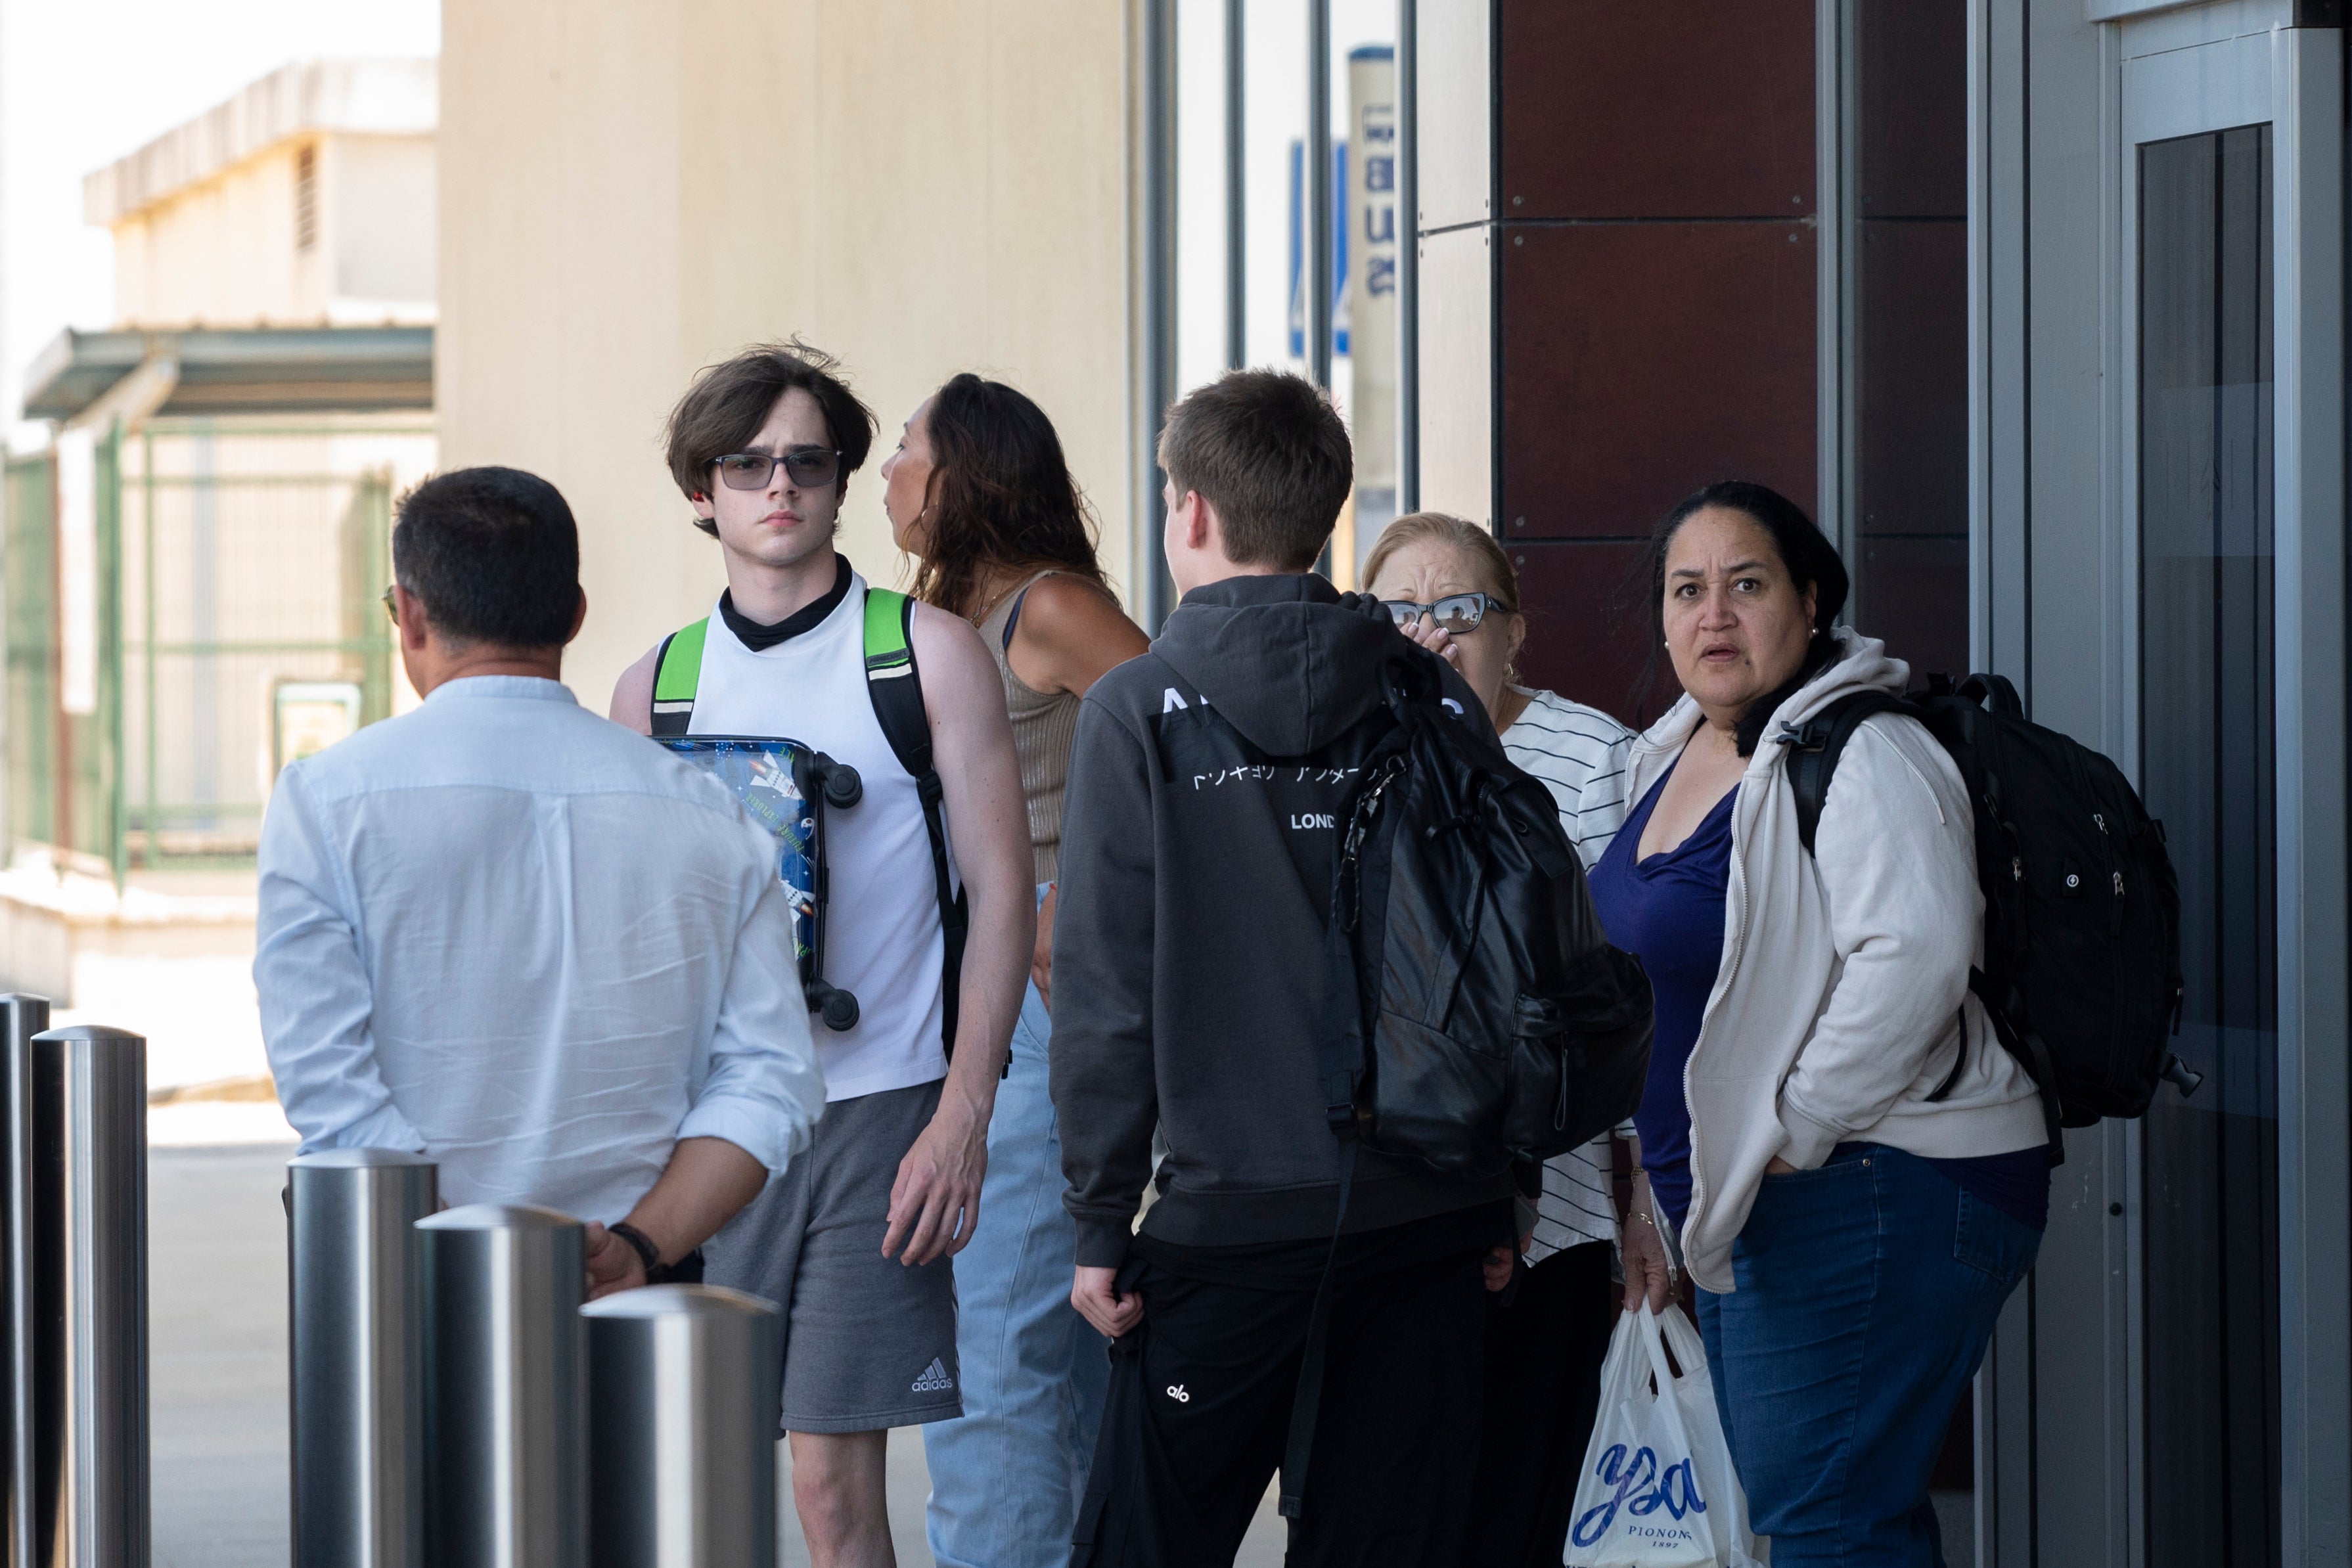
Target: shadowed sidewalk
[216,1239]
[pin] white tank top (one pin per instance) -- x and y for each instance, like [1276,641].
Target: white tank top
[882,941]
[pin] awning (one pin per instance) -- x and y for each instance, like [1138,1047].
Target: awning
[256,370]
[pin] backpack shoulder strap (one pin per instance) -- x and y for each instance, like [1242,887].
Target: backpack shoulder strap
[677,675]
[894,682]
[1815,746]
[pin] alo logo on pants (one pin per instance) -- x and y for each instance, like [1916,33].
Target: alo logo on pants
[1640,1488]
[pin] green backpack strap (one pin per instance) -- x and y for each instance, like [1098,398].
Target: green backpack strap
[895,684]
[893,681]
[678,673]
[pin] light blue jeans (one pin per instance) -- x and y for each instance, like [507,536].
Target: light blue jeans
[1007,1476]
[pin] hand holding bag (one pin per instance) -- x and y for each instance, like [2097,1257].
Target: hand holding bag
[1658,1490]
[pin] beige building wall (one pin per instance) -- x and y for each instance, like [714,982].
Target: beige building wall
[221,253]
[215,224]
[224,252]
[630,193]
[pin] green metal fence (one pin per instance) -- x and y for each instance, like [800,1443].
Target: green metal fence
[234,566]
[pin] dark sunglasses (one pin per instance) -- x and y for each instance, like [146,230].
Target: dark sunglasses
[1455,613]
[806,466]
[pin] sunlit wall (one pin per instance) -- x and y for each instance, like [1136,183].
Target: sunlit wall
[630,193]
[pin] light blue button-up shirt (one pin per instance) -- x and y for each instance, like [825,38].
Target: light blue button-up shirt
[520,939]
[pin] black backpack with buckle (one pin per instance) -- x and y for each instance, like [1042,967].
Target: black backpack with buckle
[2082,974]
[1480,1020]
[1477,1021]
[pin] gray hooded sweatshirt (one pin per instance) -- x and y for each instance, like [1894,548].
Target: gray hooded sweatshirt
[1198,840]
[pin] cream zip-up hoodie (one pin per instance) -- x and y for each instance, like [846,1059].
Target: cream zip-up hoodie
[1844,985]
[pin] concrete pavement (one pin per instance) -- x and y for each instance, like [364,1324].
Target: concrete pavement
[217,1336]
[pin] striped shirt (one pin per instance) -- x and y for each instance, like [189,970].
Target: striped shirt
[1579,754]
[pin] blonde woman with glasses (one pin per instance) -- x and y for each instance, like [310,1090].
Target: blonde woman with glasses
[1450,587]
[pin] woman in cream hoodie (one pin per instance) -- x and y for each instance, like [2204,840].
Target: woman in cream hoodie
[1853,1167]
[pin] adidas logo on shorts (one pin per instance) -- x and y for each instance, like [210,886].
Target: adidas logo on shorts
[935,1378]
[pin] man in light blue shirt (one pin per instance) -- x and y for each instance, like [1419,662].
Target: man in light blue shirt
[507,932]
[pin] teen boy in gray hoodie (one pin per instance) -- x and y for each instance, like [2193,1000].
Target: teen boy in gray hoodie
[1198,844]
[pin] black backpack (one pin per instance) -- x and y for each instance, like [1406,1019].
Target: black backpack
[2082,943]
[1479,1019]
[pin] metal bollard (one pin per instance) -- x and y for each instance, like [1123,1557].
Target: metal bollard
[21,1018]
[507,1450]
[87,1270]
[682,1421]
[356,1355]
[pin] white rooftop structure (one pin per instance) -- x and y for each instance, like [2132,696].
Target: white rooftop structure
[390,97]
[307,200]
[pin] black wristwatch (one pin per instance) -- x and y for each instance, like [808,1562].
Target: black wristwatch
[657,1271]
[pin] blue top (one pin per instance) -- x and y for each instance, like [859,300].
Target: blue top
[1668,912]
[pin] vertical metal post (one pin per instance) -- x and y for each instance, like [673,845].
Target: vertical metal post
[356,1355]
[88,1274]
[1236,186]
[506,1448]
[682,1406]
[61,723]
[1318,220]
[1158,282]
[113,777]
[21,1018]
[1408,87]
[148,841]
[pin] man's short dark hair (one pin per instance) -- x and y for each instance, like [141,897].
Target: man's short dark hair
[1267,449]
[729,401]
[493,553]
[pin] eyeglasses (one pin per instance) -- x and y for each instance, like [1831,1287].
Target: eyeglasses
[1454,614]
[806,466]
[391,605]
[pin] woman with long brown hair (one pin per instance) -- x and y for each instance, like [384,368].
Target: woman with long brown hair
[979,494]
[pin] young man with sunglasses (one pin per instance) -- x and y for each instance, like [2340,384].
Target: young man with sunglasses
[1198,840]
[855,1240]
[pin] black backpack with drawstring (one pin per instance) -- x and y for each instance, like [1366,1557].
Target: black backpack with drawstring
[2081,939]
[1479,1019]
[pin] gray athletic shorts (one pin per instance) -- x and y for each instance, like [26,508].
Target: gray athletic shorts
[868,1341]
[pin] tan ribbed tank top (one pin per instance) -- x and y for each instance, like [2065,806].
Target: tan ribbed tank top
[1044,726]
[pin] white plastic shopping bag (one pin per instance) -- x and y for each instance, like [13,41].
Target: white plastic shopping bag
[1658,1490]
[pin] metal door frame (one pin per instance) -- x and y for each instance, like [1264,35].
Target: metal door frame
[2165,69]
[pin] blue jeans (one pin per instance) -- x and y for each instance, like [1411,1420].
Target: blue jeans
[1007,1476]
[1867,1291]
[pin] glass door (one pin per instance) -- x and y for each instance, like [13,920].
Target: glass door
[2230,548]
[2209,770]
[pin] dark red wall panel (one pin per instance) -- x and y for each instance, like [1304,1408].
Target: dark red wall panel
[1588,625]
[1642,361]
[1914,597]
[1648,108]
[1657,298]
[1914,394]
[1914,119]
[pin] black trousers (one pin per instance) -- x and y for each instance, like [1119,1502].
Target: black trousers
[1544,1352]
[1199,1411]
